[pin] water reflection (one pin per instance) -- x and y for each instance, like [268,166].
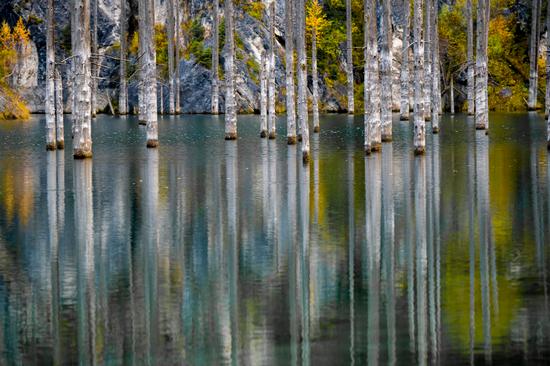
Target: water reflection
[236,253]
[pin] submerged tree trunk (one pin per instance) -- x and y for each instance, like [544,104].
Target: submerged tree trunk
[427,61]
[470,95]
[315,79]
[123,92]
[405,76]
[373,128]
[177,58]
[215,57]
[419,119]
[534,55]
[349,59]
[80,29]
[141,63]
[50,79]
[302,77]
[230,105]
[271,118]
[386,71]
[482,107]
[263,96]
[161,97]
[452,95]
[289,73]
[436,91]
[94,59]
[170,33]
[149,72]
[60,130]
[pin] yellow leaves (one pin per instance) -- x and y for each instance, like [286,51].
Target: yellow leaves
[316,20]
[20,33]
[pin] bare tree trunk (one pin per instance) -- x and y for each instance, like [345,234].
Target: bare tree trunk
[141,63]
[150,72]
[405,76]
[263,96]
[215,58]
[349,59]
[50,79]
[427,61]
[60,131]
[289,73]
[373,128]
[419,100]
[315,77]
[386,71]
[230,105]
[302,77]
[123,92]
[452,95]
[177,52]
[82,141]
[547,99]
[94,59]
[170,33]
[470,58]
[482,108]
[534,55]
[271,118]
[436,92]
[161,98]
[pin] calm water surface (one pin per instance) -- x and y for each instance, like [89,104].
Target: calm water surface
[209,252]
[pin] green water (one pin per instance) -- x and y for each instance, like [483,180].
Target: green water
[207,252]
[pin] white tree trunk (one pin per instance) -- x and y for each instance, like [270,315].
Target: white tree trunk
[482,107]
[534,55]
[271,118]
[215,57]
[177,58]
[470,95]
[436,91]
[50,79]
[94,59]
[80,28]
[452,95]
[289,73]
[419,119]
[263,96]
[150,72]
[349,59]
[427,61]
[405,76]
[123,92]
[373,128]
[547,97]
[170,33]
[230,105]
[161,98]
[386,71]
[315,79]
[60,131]
[141,64]
[302,77]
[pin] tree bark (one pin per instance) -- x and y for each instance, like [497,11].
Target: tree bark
[60,131]
[373,128]
[302,78]
[94,59]
[230,105]
[436,91]
[170,33]
[177,59]
[386,71]
[123,92]
[263,96]
[50,79]
[349,59]
[470,94]
[289,73]
[80,28]
[405,76]
[534,55]
[215,58]
[547,99]
[141,63]
[427,61]
[149,72]
[482,107]
[419,97]
[452,95]
[271,118]
[315,79]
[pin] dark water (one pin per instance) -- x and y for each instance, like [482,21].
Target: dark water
[210,252]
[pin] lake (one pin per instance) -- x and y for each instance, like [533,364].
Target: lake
[207,252]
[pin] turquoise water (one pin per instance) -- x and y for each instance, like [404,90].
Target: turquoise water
[212,252]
